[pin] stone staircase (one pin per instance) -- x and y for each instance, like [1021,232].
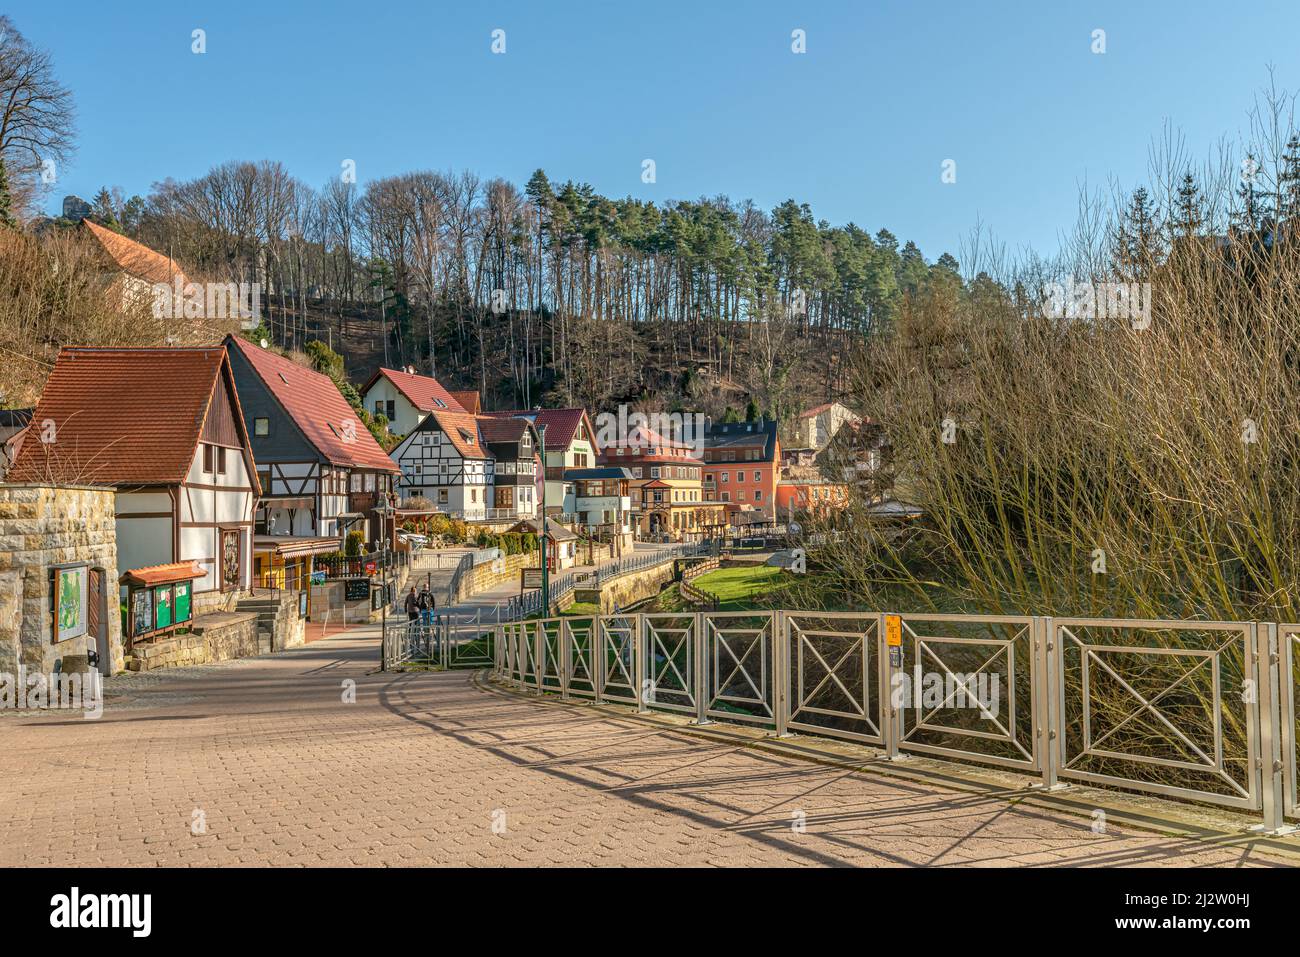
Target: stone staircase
[266,609]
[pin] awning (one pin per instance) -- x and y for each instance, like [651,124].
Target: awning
[162,574]
[290,546]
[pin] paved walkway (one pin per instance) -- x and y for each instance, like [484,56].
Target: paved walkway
[261,762]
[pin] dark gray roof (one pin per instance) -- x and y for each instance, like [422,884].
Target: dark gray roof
[611,472]
[15,418]
[721,435]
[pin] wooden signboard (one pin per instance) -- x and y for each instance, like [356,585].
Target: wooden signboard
[530,578]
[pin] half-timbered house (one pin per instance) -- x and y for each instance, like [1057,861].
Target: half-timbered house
[444,460]
[322,472]
[517,477]
[164,428]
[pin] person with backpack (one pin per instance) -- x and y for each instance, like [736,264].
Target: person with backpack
[427,605]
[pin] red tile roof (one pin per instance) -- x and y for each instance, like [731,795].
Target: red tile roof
[121,416]
[498,428]
[561,424]
[318,408]
[135,258]
[469,401]
[422,391]
[163,574]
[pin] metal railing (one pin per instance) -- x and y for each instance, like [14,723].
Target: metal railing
[1201,711]
[409,640]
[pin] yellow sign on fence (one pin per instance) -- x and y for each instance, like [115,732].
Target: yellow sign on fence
[894,631]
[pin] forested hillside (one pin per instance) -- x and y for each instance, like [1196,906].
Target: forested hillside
[549,293]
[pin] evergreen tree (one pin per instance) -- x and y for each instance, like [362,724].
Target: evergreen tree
[1189,212]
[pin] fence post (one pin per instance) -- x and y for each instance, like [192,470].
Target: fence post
[700,627]
[597,651]
[1268,714]
[564,636]
[888,709]
[539,654]
[638,662]
[780,673]
[1046,662]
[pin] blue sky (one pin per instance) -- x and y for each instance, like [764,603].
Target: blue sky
[857,127]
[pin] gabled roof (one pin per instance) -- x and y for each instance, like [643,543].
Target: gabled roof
[561,424]
[126,416]
[469,401]
[825,407]
[134,258]
[495,428]
[317,408]
[422,391]
[461,429]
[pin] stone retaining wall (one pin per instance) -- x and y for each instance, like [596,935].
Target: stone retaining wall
[215,637]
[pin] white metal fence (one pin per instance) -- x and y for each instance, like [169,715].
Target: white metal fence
[1203,711]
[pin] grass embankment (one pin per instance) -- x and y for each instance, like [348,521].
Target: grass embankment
[744,587]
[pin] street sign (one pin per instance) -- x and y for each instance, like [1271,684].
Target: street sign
[530,578]
[894,639]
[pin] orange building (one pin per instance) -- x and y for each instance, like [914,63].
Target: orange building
[809,495]
[742,463]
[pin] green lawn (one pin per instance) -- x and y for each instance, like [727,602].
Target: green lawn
[736,588]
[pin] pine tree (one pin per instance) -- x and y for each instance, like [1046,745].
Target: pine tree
[1137,238]
[1288,182]
[1189,213]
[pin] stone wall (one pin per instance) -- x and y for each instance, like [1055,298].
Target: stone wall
[216,637]
[635,586]
[40,526]
[491,574]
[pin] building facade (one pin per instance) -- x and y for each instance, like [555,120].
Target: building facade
[322,473]
[164,428]
[742,464]
[444,460]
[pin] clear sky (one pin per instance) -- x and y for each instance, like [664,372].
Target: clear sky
[858,126]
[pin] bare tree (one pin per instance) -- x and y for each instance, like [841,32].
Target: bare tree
[36,116]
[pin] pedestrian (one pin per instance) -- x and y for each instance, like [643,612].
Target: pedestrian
[412,605]
[426,606]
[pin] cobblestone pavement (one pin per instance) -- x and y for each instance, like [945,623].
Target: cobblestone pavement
[267,757]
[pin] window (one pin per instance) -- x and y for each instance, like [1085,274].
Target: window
[221,461]
[264,479]
[726,477]
[207,459]
[758,495]
[473,495]
[370,482]
[726,496]
[758,476]
[356,482]
[379,407]
[636,472]
[392,410]
[654,472]
[261,425]
[740,495]
[442,496]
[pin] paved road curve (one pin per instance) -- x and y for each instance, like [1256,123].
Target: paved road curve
[268,764]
